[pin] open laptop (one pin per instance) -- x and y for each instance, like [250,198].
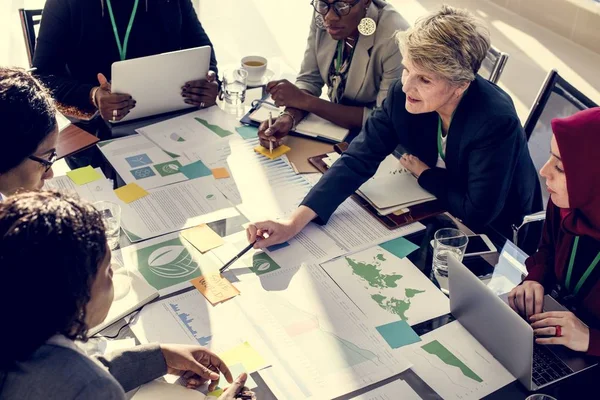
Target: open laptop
[155,81]
[506,335]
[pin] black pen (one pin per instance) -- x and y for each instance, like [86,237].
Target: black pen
[234,259]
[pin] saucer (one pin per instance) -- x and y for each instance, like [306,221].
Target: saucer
[262,81]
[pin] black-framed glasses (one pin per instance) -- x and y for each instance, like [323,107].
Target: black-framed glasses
[46,163]
[340,7]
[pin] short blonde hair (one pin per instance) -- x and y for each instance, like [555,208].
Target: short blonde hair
[451,42]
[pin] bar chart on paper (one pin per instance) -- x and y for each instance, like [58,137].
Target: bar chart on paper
[189,322]
[455,364]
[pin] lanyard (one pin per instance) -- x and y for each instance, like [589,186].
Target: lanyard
[587,272]
[123,47]
[441,151]
[340,56]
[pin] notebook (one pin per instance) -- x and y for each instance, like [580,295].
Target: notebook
[312,125]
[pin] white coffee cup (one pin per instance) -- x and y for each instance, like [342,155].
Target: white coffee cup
[256,67]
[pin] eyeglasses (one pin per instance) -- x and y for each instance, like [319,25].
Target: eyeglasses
[341,8]
[46,163]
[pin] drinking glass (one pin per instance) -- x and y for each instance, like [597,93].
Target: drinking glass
[448,242]
[111,214]
[234,86]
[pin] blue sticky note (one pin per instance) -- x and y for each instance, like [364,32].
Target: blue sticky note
[398,334]
[247,132]
[276,247]
[195,170]
[399,247]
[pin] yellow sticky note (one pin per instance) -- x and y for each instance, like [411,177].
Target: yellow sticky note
[220,173]
[217,392]
[203,238]
[215,288]
[401,212]
[246,355]
[130,192]
[278,152]
[84,175]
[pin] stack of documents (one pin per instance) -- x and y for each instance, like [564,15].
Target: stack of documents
[391,189]
[312,125]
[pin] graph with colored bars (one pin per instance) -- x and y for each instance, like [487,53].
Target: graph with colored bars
[188,322]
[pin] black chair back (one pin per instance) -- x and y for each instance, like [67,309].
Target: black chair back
[30,20]
[556,99]
[493,64]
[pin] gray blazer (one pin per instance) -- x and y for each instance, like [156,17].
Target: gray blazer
[375,65]
[59,371]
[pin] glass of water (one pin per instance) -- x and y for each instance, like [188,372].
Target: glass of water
[234,86]
[448,242]
[111,214]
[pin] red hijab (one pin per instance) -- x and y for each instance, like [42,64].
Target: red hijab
[578,139]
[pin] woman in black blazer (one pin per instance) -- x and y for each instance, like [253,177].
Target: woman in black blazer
[463,138]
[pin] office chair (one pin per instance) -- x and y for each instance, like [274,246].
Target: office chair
[493,64]
[29,20]
[557,98]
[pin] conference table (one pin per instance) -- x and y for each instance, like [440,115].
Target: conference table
[574,387]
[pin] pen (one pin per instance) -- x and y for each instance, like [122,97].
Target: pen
[234,259]
[270,124]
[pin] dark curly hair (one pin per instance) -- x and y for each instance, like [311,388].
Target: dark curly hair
[27,113]
[51,246]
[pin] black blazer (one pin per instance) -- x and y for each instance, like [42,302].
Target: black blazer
[490,178]
[76,40]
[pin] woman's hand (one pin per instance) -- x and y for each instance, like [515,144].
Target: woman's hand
[527,299]
[270,233]
[203,92]
[413,164]
[286,94]
[275,134]
[574,334]
[236,389]
[112,106]
[196,364]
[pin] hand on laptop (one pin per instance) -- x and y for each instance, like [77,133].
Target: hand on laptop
[280,128]
[527,299]
[574,334]
[202,92]
[112,106]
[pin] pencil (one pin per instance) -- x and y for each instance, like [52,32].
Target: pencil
[270,141]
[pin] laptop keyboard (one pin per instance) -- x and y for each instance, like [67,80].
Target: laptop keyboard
[547,367]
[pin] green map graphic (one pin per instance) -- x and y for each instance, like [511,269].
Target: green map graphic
[437,349]
[215,128]
[371,273]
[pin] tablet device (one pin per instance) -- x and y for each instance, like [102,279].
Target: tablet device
[155,81]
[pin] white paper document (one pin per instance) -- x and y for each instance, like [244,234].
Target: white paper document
[392,391]
[455,364]
[137,159]
[99,190]
[312,125]
[175,207]
[268,188]
[322,345]
[182,133]
[401,189]
[214,155]
[387,288]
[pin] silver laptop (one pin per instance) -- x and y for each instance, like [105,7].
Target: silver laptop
[506,335]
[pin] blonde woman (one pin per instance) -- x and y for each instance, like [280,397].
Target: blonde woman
[463,138]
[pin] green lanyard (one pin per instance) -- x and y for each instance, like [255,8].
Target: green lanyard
[340,56]
[441,151]
[587,272]
[123,47]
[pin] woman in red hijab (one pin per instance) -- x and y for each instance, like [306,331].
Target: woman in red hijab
[566,263]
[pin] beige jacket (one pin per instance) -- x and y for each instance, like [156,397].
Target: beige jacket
[375,65]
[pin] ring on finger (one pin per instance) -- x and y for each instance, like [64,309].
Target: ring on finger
[202,104]
[558,332]
[114,115]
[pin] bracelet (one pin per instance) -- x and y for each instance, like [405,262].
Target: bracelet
[94,91]
[281,114]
